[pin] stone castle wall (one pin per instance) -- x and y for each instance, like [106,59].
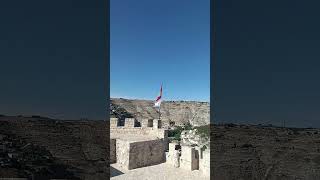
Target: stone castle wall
[148,127]
[146,153]
[137,145]
[191,158]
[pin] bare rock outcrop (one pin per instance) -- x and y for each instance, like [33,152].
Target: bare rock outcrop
[192,138]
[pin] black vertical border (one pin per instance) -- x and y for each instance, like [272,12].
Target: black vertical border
[107,75]
[212,77]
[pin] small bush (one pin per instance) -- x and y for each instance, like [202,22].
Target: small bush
[176,133]
[203,131]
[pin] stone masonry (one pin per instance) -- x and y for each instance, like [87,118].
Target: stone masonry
[190,158]
[133,147]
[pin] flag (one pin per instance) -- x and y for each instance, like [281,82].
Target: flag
[158,100]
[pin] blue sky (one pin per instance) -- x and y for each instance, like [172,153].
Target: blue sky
[154,42]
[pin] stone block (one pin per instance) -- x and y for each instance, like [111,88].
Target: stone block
[189,159]
[114,122]
[145,123]
[113,155]
[204,163]
[129,122]
[146,153]
[122,153]
[157,124]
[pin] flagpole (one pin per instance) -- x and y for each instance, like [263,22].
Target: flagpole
[159,112]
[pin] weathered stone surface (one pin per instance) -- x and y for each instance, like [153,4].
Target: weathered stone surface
[204,163]
[129,122]
[176,158]
[122,153]
[114,122]
[156,124]
[146,123]
[113,154]
[188,159]
[146,153]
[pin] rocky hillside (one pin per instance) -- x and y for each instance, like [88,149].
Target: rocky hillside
[179,112]
[269,153]
[82,146]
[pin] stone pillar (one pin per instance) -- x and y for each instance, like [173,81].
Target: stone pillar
[144,123]
[156,124]
[113,122]
[204,163]
[173,155]
[122,153]
[165,140]
[113,155]
[189,158]
[129,122]
[176,158]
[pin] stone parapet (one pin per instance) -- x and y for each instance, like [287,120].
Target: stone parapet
[129,122]
[147,123]
[146,153]
[157,124]
[113,122]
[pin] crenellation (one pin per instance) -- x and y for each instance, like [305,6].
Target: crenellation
[138,146]
[134,147]
[157,124]
[129,122]
[114,122]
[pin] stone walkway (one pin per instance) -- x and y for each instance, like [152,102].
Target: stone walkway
[157,172]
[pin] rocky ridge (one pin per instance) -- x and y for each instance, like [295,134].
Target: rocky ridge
[179,112]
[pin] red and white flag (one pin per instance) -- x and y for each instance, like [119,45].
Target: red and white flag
[158,100]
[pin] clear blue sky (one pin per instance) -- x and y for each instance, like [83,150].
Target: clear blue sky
[154,42]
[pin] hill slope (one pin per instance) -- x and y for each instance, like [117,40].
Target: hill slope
[180,112]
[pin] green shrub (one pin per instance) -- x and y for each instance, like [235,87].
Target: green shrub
[176,133]
[203,131]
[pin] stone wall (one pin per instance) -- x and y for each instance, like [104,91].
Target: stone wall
[147,148]
[146,153]
[204,163]
[129,129]
[191,158]
[113,155]
[129,122]
[122,154]
[170,156]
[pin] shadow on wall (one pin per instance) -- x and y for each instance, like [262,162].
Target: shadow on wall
[115,172]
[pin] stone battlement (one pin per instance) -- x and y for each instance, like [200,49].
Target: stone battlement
[135,145]
[133,123]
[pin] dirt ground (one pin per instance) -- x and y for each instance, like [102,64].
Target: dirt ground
[162,171]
